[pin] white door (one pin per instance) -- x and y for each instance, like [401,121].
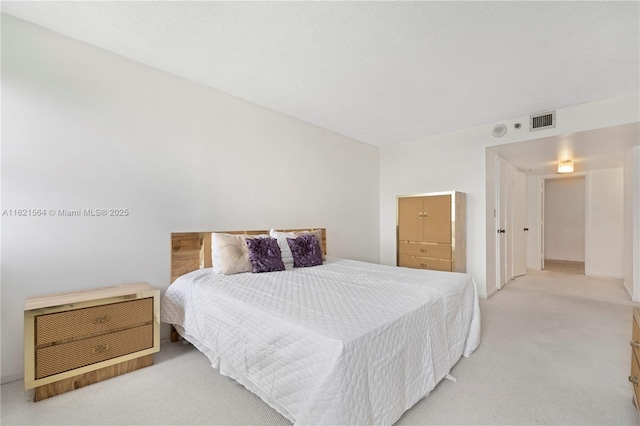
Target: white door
[519,229]
[508,223]
[501,223]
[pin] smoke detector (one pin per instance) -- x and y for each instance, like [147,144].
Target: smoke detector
[499,131]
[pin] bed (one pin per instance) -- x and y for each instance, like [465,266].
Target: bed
[345,342]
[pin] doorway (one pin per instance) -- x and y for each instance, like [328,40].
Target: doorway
[563,233]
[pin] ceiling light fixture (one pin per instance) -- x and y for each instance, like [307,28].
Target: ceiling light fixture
[565,166]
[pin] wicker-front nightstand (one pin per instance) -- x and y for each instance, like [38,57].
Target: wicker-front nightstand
[75,339]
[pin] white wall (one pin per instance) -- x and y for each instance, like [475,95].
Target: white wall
[459,161]
[605,223]
[631,261]
[564,216]
[85,128]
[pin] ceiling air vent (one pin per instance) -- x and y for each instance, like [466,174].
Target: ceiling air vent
[543,120]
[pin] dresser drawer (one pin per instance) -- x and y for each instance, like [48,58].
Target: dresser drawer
[635,376]
[68,356]
[90,321]
[437,251]
[423,263]
[635,333]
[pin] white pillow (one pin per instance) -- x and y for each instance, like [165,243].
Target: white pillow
[234,254]
[285,250]
[230,253]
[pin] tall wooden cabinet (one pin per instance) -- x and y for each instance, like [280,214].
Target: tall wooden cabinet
[431,231]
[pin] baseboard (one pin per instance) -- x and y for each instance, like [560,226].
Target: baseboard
[565,261]
[492,292]
[629,292]
[10,378]
[603,275]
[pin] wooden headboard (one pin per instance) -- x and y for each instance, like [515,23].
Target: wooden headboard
[192,250]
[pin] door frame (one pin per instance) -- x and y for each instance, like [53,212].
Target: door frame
[503,185]
[519,224]
[540,214]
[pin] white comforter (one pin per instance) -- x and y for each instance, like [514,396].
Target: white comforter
[347,342]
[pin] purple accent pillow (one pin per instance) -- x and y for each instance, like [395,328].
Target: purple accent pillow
[306,251]
[264,254]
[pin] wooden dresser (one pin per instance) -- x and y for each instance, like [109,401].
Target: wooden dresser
[635,357]
[75,339]
[431,231]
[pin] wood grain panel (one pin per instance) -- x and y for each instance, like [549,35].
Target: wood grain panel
[410,222]
[207,249]
[185,253]
[424,263]
[438,251]
[437,219]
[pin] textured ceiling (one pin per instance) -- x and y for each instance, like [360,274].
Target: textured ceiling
[380,72]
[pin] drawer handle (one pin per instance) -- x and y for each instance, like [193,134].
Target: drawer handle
[99,349]
[423,250]
[423,265]
[101,319]
[635,344]
[634,380]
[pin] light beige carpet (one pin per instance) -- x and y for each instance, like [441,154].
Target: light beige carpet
[555,350]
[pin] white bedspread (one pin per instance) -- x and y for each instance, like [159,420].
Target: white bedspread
[347,342]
